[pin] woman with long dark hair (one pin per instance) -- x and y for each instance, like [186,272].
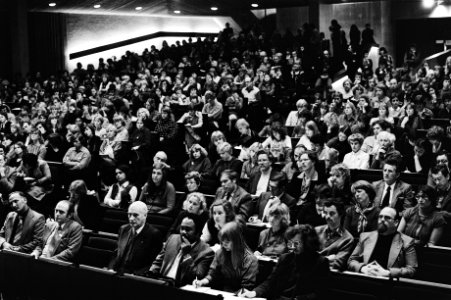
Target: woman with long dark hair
[234,266]
[158,193]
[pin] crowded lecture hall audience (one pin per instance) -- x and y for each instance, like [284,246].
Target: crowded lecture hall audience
[227,136]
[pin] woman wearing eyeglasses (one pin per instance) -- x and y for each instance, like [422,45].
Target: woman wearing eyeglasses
[423,222]
[300,274]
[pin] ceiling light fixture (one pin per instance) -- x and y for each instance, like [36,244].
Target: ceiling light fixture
[52,4]
[139,8]
[177,11]
[214,8]
[428,3]
[255,5]
[97,6]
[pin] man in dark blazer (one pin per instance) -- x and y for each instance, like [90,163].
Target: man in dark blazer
[62,238]
[259,181]
[391,191]
[184,256]
[276,195]
[232,192]
[370,256]
[441,180]
[23,226]
[138,243]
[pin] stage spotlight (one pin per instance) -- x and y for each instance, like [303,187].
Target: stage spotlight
[428,3]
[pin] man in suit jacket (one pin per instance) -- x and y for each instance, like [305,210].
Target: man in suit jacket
[23,226]
[400,194]
[440,177]
[336,242]
[259,181]
[184,256]
[62,238]
[138,243]
[232,192]
[385,252]
[276,195]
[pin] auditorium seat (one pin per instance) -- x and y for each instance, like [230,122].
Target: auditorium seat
[91,283]
[428,123]
[434,264]
[97,251]
[12,282]
[409,289]
[44,271]
[252,234]
[57,171]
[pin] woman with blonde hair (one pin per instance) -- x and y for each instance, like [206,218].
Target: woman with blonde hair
[194,203]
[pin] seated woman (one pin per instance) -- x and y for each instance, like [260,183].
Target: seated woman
[15,154]
[340,183]
[279,144]
[234,267]
[193,122]
[423,222]
[36,144]
[122,193]
[356,159]
[363,216]
[221,212]
[247,135]
[216,139]
[272,240]
[420,159]
[108,153]
[250,164]
[158,193]
[300,274]
[311,129]
[198,160]
[122,134]
[194,204]
[87,209]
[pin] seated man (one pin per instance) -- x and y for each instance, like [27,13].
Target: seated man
[138,243]
[227,161]
[386,150]
[390,190]
[62,238]
[184,256]
[122,193]
[23,226]
[276,195]
[441,179]
[336,243]
[76,160]
[259,180]
[385,252]
[233,193]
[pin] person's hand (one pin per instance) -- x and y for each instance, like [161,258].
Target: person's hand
[35,254]
[381,153]
[257,253]
[7,246]
[247,294]
[200,283]
[135,148]
[379,271]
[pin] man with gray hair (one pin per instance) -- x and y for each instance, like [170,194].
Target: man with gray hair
[138,243]
[386,150]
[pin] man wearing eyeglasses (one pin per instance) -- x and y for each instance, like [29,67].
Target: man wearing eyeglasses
[385,252]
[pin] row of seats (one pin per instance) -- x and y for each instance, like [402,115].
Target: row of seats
[23,276]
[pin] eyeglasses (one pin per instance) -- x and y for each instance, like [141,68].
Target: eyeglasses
[293,244]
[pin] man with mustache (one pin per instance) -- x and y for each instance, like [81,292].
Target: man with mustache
[385,252]
[184,256]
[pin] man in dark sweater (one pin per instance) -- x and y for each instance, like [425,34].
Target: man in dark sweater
[385,252]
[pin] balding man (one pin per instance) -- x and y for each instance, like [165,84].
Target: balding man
[385,252]
[62,238]
[23,226]
[138,242]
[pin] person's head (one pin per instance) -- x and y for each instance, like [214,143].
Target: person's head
[383,111]
[231,239]
[160,157]
[391,171]
[195,203]
[78,141]
[377,128]
[350,109]
[30,160]
[279,216]
[334,212]
[121,173]
[343,132]
[197,152]
[225,151]
[264,161]
[388,221]
[426,197]
[302,239]
[111,131]
[229,180]
[217,138]
[311,129]
[18,202]
[19,148]
[191,227]
[64,211]
[435,135]
[355,140]
[440,177]
[277,183]
[442,158]
[242,125]
[137,214]
[386,139]
[158,173]
[35,135]
[364,193]
[221,211]
[119,121]
[193,180]
[317,141]
[278,133]
[340,176]
[331,158]
[307,161]
[77,189]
